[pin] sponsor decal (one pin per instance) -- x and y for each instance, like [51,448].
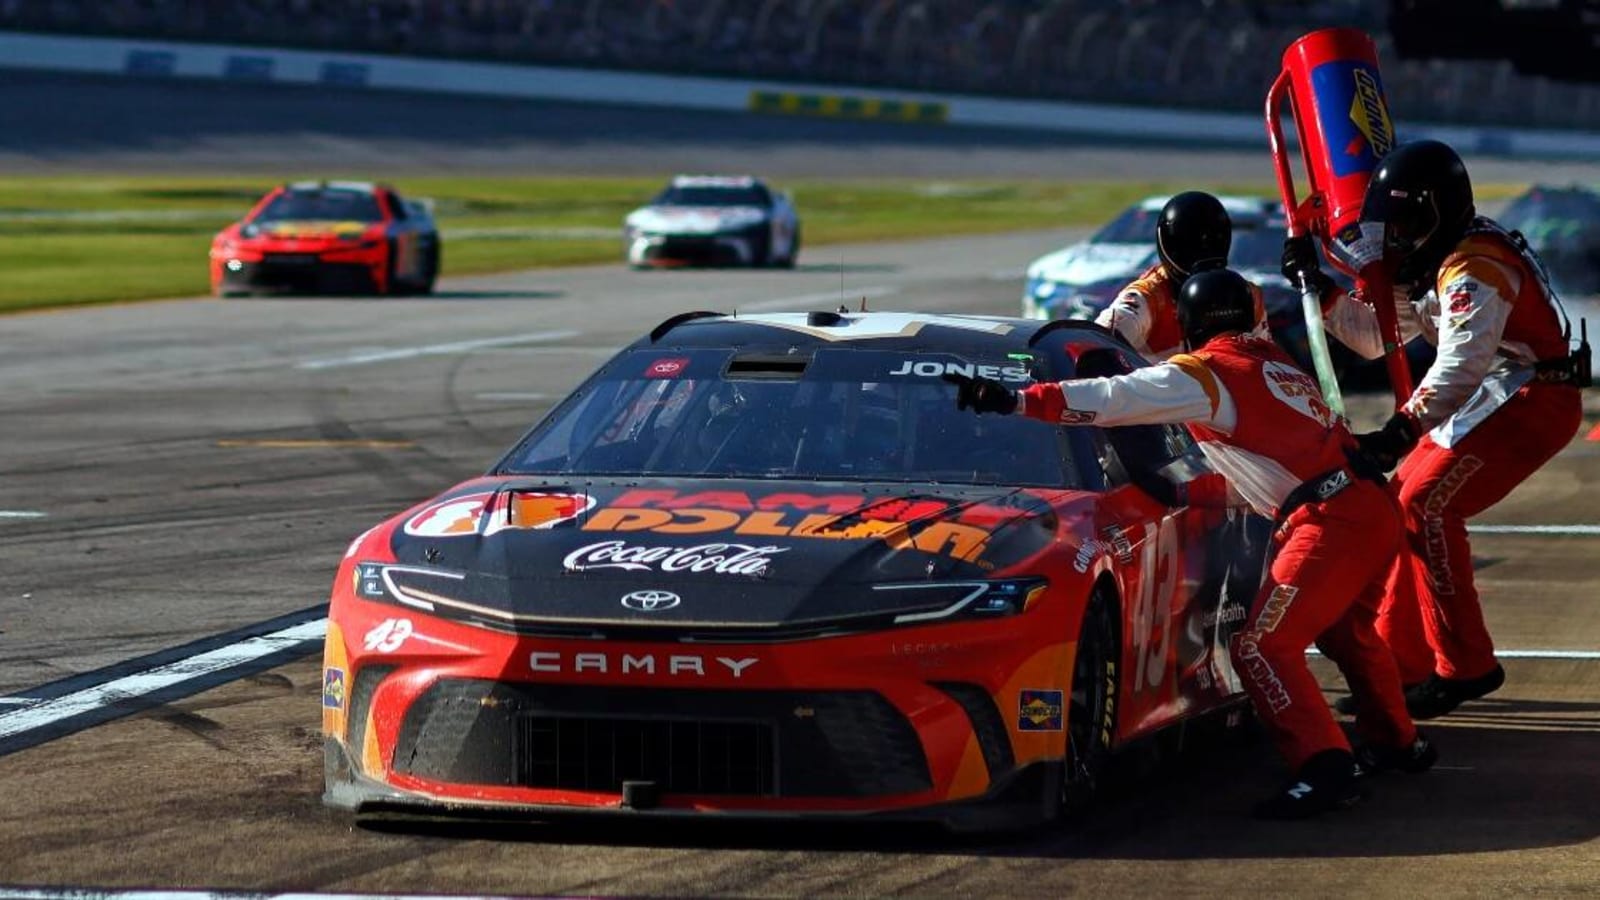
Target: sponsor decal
[1088,553]
[651,601]
[1078,416]
[1355,119]
[717,559]
[1258,672]
[670,367]
[462,516]
[1460,296]
[1333,484]
[1121,544]
[1436,542]
[1298,391]
[937,369]
[333,688]
[618,663]
[1272,611]
[926,524]
[388,636]
[1226,614]
[1039,710]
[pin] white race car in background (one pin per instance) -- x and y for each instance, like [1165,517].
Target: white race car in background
[1081,280]
[714,221]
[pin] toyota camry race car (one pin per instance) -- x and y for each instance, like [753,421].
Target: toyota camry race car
[337,237]
[716,221]
[764,566]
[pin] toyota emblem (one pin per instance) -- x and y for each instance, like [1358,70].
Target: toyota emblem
[651,601]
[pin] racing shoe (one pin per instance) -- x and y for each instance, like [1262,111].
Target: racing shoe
[1348,705]
[1418,757]
[1327,781]
[1438,696]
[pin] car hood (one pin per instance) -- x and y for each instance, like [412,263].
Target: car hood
[695,219]
[1087,263]
[739,554]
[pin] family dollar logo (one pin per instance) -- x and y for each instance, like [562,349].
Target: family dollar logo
[1370,115]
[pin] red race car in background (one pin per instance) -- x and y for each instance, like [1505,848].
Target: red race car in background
[328,237]
[763,566]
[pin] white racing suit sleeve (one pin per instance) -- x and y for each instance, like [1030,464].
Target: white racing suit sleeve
[1179,390]
[1355,323]
[1129,316]
[1474,301]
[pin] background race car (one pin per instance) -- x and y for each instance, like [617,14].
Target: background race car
[338,237]
[1079,281]
[1562,225]
[765,566]
[716,221]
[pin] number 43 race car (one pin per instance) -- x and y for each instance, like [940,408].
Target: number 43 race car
[339,237]
[763,566]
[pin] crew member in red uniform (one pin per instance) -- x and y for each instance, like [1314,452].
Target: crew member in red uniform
[1193,234]
[1264,426]
[1500,400]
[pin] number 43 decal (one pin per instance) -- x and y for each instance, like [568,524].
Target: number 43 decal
[1152,608]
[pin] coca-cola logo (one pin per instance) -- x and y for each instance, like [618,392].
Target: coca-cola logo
[717,559]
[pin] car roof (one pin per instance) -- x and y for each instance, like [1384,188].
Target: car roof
[715,181]
[364,187]
[1236,204]
[893,331]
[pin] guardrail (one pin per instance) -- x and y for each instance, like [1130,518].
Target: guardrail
[155,59]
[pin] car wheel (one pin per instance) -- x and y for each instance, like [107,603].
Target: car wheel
[430,269]
[1092,703]
[788,262]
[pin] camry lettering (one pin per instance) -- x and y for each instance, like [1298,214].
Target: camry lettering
[717,559]
[627,664]
[934,369]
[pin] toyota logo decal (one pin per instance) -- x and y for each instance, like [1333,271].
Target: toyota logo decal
[651,601]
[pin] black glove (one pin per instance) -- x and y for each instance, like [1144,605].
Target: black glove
[1300,258]
[983,395]
[1383,448]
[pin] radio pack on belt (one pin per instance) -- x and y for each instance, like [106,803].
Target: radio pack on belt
[1575,368]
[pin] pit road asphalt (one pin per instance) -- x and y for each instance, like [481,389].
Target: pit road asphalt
[200,465]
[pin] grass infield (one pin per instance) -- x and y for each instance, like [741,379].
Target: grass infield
[95,238]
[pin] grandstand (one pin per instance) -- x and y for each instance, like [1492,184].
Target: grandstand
[1217,54]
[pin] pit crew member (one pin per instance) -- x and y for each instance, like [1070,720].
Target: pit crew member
[1264,426]
[1193,235]
[1499,401]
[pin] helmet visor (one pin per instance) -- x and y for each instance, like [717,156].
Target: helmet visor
[1408,220]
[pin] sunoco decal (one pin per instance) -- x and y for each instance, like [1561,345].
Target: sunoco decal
[1039,710]
[1353,114]
[333,688]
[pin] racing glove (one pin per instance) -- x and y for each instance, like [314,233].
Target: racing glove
[1383,448]
[1300,261]
[982,395]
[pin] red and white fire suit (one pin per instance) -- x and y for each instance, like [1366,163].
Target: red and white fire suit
[1491,422]
[1263,425]
[1146,314]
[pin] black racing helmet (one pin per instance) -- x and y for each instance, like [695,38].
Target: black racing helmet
[1422,197]
[1213,302]
[1193,234]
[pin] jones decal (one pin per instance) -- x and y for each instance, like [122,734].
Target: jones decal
[934,369]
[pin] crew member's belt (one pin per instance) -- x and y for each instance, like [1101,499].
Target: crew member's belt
[1324,487]
[1572,369]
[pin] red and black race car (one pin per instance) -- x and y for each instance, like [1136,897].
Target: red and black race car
[763,566]
[328,237]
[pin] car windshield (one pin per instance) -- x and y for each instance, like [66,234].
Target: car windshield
[711,196]
[1136,225]
[848,415]
[324,204]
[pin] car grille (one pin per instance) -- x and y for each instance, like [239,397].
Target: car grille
[594,754]
[744,743]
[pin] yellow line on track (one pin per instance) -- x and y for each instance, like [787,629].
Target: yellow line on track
[284,444]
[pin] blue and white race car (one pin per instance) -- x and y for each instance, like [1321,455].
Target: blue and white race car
[714,221]
[1079,281]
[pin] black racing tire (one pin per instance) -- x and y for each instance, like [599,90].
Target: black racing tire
[430,268]
[1092,703]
